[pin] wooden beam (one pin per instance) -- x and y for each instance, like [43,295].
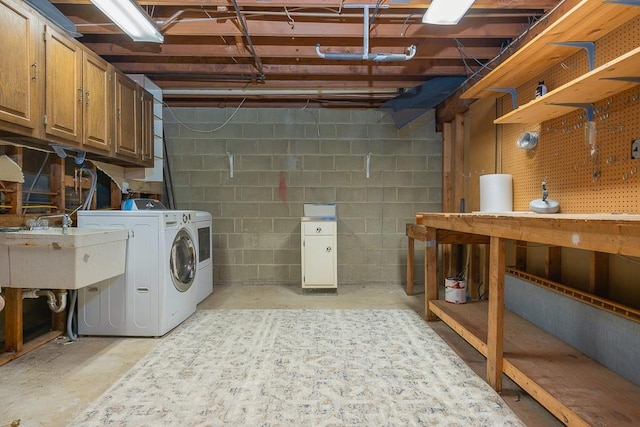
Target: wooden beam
[406,4]
[430,273]
[599,274]
[410,261]
[521,255]
[13,320]
[553,263]
[495,332]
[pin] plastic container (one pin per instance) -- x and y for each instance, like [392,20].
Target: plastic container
[455,290]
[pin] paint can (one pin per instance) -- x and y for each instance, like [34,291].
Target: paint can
[455,290]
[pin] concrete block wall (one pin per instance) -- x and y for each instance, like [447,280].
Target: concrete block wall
[284,158]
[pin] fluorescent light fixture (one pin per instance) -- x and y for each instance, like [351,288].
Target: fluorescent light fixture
[131,19]
[446,12]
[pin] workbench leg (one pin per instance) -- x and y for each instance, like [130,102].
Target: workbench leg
[495,333]
[430,272]
[410,264]
[13,320]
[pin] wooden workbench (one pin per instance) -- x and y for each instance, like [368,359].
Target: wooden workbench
[614,234]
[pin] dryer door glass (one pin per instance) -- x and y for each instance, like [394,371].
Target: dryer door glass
[183,261]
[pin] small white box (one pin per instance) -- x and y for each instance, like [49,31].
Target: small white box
[320,210]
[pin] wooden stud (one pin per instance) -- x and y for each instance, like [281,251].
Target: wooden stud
[410,263]
[495,332]
[13,320]
[552,263]
[599,274]
[521,255]
[57,184]
[430,272]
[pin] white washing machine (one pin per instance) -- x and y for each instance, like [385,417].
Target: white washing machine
[157,291]
[204,276]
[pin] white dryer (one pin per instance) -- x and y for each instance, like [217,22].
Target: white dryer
[204,276]
[157,291]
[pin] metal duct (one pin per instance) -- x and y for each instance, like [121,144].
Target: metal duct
[52,13]
[415,102]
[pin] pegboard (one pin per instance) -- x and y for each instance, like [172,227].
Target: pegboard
[587,172]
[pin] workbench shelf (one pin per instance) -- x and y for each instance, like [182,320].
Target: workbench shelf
[607,80]
[587,21]
[576,389]
[571,386]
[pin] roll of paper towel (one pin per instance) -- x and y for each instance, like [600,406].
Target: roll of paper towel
[496,193]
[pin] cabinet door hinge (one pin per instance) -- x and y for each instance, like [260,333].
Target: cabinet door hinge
[46,121]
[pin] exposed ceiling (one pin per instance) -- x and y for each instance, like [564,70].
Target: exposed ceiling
[219,52]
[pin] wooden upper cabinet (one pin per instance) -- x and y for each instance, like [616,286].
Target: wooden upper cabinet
[20,68]
[128,116]
[64,91]
[97,112]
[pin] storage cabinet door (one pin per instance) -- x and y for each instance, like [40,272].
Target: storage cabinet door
[64,92]
[127,111]
[19,67]
[97,106]
[319,261]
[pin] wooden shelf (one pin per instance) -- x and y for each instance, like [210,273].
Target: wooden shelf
[570,385]
[586,89]
[588,21]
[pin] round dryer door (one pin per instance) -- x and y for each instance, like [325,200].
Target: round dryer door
[183,261]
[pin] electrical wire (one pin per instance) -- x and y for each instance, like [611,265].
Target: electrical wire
[200,130]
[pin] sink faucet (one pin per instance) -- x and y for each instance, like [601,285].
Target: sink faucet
[66,220]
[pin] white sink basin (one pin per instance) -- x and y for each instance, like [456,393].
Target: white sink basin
[544,206]
[48,259]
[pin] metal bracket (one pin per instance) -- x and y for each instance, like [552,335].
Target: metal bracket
[590,47]
[588,108]
[430,243]
[510,90]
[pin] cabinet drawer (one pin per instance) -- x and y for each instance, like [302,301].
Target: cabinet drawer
[318,228]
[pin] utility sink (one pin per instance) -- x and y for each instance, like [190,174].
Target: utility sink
[49,259]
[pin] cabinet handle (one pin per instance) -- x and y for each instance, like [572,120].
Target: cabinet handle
[118,114]
[87,95]
[34,67]
[319,230]
[328,249]
[80,95]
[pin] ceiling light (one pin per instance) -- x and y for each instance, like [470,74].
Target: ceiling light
[446,12]
[131,19]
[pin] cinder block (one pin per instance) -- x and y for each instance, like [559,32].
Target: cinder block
[256,194]
[257,225]
[258,256]
[351,194]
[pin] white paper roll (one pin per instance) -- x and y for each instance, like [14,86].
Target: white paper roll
[496,193]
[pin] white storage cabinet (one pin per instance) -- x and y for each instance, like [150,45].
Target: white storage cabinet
[318,239]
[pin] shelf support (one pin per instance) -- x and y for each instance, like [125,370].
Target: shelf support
[510,90]
[624,2]
[590,47]
[588,108]
[623,79]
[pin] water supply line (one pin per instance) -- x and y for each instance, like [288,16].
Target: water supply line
[365,55]
[1,300]
[54,305]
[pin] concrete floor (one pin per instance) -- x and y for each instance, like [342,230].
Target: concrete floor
[50,385]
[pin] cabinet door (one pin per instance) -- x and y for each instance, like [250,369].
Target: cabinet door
[147,128]
[19,73]
[319,264]
[127,112]
[64,92]
[97,116]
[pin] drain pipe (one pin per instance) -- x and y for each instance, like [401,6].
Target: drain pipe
[52,301]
